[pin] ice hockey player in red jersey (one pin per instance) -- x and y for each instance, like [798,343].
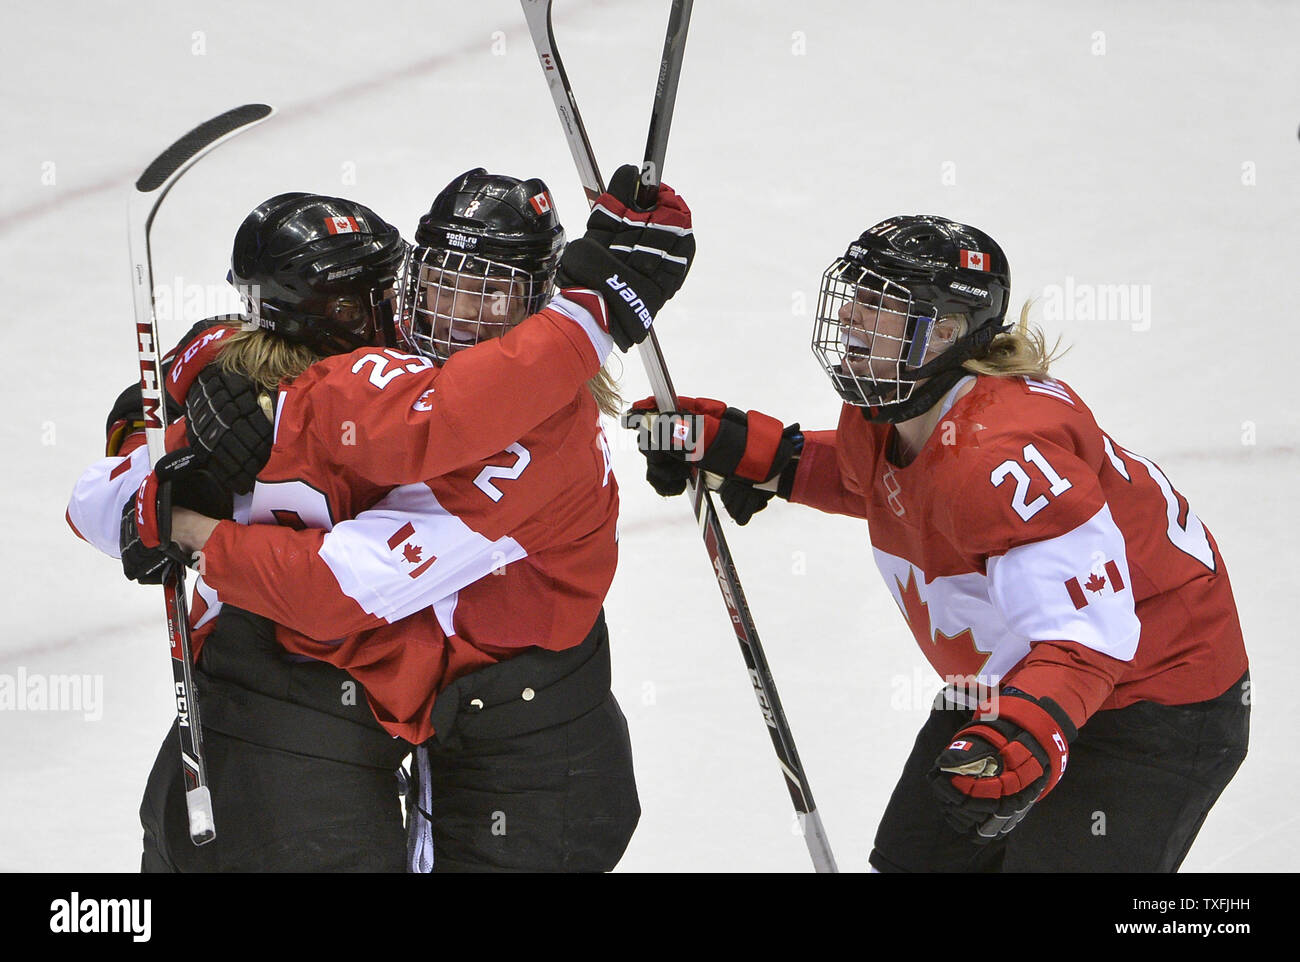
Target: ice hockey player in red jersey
[303,777]
[466,593]
[1076,607]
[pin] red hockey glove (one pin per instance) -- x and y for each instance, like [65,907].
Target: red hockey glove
[748,452]
[191,360]
[145,535]
[636,260]
[1005,760]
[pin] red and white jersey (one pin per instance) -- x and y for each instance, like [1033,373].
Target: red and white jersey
[409,584]
[100,495]
[1024,545]
[363,431]
[95,509]
[98,498]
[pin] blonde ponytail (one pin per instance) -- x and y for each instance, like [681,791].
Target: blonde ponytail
[1019,352]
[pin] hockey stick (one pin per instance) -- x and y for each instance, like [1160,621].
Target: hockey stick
[146,197]
[538,15]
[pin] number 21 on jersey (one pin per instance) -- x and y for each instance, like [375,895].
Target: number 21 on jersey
[1187,535]
[1011,468]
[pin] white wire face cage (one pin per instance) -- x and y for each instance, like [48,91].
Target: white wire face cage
[870,334]
[452,300]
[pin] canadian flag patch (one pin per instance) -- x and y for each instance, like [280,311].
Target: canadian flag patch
[960,746]
[342,225]
[1096,582]
[974,260]
[408,551]
[541,202]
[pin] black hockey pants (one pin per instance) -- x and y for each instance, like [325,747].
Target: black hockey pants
[530,769]
[1140,782]
[303,779]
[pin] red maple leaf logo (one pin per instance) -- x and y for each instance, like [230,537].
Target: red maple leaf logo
[411,552]
[949,654]
[960,431]
[977,402]
[1095,583]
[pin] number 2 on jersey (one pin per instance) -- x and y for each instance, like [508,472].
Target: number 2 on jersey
[1187,536]
[492,472]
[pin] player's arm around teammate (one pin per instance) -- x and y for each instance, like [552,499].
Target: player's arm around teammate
[302,779]
[514,555]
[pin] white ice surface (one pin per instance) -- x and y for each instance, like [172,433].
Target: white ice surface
[797,126]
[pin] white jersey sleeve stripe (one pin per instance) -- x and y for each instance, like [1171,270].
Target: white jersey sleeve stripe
[641,248]
[208,594]
[1051,388]
[408,552]
[1034,587]
[666,228]
[600,340]
[99,497]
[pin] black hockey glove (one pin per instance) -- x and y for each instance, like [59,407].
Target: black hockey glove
[748,458]
[145,533]
[998,766]
[636,260]
[230,427]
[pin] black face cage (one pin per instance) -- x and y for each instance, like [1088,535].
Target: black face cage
[870,334]
[452,300]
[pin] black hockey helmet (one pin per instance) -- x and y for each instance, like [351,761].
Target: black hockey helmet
[485,257]
[880,302]
[319,271]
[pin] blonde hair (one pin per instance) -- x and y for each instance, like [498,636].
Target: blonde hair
[265,358]
[604,388]
[1019,352]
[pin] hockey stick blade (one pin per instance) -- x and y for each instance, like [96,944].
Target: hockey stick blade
[173,161]
[147,196]
[538,15]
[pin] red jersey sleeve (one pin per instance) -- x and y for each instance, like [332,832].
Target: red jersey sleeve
[1016,492]
[1077,678]
[278,573]
[1031,511]
[406,553]
[420,543]
[391,418]
[825,481]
